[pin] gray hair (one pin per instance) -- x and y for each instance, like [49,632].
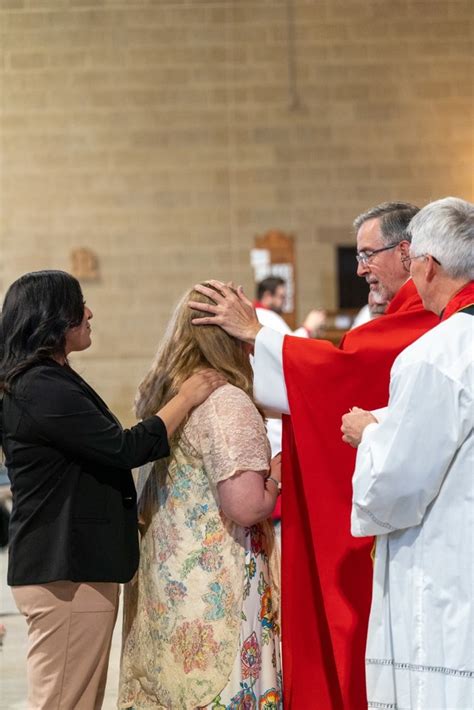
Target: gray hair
[394,220]
[445,229]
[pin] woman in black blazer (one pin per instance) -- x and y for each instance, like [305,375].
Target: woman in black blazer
[73,528]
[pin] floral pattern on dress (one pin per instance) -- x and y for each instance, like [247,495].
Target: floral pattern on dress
[266,613]
[219,600]
[166,538]
[271,700]
[244,700]
[250,657]
[198,629]
[176,591]
[256,677]
[193,645]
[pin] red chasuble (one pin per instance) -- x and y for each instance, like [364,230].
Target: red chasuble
[327,574]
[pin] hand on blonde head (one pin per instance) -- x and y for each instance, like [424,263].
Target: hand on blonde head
[231,310]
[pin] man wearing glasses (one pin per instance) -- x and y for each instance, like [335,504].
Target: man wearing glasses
[382,243]
[383,226]
[413,484]
[327,574]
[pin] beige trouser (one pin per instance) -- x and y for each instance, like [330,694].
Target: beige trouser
[70,629]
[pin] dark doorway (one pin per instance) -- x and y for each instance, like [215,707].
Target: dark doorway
[352,290]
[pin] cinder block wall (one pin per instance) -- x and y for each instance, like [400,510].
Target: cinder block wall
[165,134]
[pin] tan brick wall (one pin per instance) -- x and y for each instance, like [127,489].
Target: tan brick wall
[162,135]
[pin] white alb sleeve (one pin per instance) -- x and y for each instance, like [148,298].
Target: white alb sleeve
[402,461]
[269,381]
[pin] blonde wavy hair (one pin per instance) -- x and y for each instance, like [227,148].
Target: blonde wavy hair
[186,349]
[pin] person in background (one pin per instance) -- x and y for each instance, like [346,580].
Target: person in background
[413,484]
[376,306]
[271,294]
[200,619]
[73,526]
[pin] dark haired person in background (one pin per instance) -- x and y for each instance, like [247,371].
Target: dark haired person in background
[73,528]
[271,294]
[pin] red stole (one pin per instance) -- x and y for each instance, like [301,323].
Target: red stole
[462,299]
[327,574]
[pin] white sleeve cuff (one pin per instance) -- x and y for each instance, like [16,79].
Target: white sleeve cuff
[369,428]
[380,414]
[269,381]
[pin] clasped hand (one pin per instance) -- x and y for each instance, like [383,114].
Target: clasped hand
[354,423]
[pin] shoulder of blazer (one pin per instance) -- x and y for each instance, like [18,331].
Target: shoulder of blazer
[51,369]
[69,377]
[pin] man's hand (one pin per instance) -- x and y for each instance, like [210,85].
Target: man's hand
[353,425]
[314,321]
[233,311]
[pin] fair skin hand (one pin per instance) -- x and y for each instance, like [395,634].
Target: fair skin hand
[353,425]
[233,312]
[193,392]
[249,497]
[314,321]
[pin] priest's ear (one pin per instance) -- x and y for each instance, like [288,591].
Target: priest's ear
[431,268]
[404,248]
[426,270]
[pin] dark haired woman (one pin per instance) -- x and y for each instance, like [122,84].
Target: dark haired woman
[73,529]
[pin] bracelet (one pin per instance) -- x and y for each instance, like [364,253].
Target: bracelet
[277,483]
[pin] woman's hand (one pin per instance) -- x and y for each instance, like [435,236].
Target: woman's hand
[275,467]
[274,476]
[192,392]
[353,425]
[197,388]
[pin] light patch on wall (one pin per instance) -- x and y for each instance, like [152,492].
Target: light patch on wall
[84,264]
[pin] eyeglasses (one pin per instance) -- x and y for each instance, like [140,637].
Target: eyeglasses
[363,257]
[406,260]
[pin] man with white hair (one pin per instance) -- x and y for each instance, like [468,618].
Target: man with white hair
[413,485]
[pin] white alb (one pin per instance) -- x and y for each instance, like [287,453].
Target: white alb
[413,488]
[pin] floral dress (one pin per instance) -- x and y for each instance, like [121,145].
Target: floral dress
[200,622]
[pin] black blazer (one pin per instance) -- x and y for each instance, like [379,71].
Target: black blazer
[74,502]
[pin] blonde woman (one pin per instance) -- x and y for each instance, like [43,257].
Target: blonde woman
[200,627]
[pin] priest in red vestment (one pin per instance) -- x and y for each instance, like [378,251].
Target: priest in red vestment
[327,574]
